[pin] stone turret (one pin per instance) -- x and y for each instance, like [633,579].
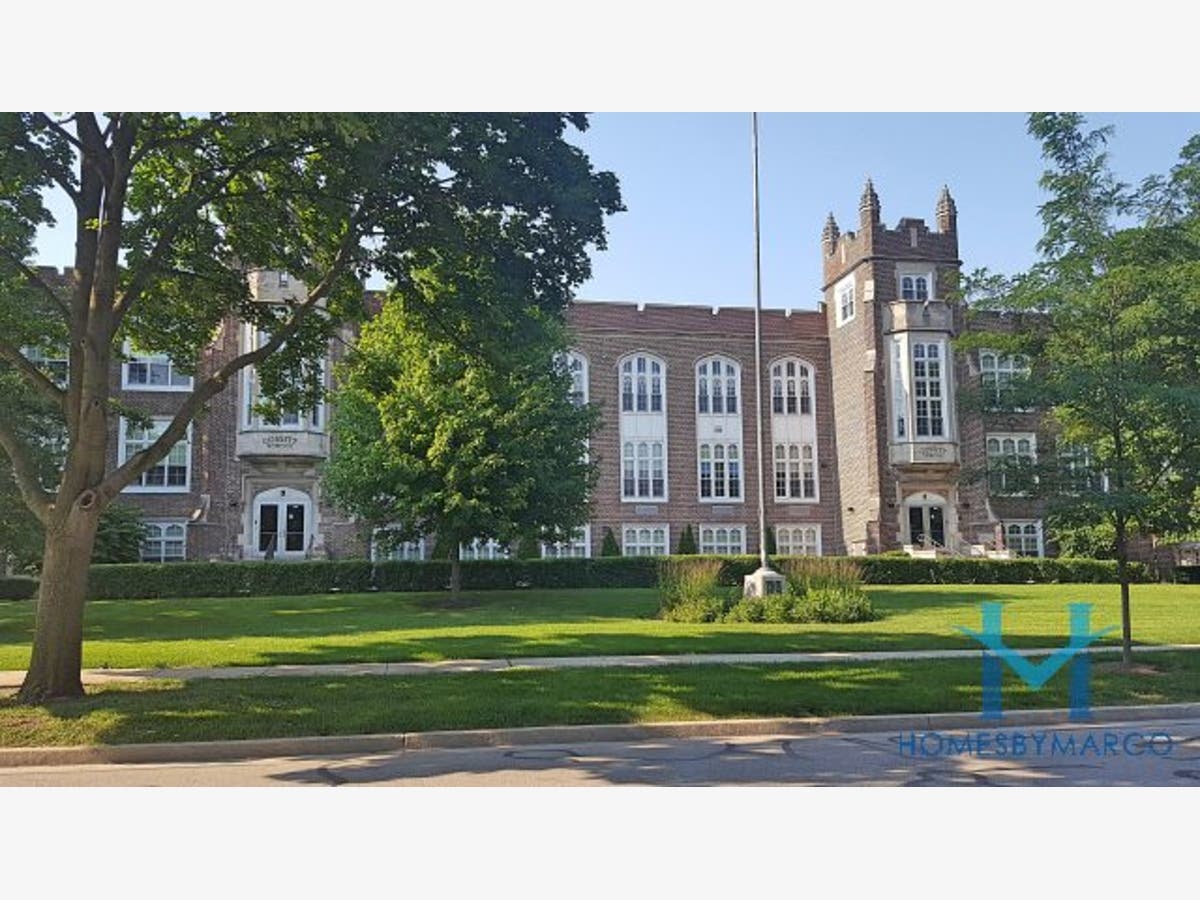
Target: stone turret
[868,207]
[830,234]
[947,212]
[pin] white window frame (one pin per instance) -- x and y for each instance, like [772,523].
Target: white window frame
[151,359]
[1002,369]
[792,393]
[725,375]
[798,465]
[643,432]
[1004,455]
[942,382]
[725,472]
[710,540]
[1023,525]
[56,368]
[908,283]
[123,455]
[579,547]
[652,542]
[284,280]
[845,300]
[1070,457]
[310,420]
[490,549]
[402,551]
[577,368]
[786,543]
[160,525]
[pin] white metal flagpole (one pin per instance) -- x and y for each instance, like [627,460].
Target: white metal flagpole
[758,362]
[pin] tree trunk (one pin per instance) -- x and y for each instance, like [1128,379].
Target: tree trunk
[1123,578]
[455,573]
[54,670]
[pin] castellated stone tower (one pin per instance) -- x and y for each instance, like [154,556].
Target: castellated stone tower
[890,322]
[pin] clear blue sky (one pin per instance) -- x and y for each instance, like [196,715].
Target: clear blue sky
[686,182]
[685,179]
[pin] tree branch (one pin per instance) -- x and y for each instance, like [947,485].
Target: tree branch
[35,376]
[35,279]
[37,498]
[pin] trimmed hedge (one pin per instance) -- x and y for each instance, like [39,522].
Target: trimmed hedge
[17,587]
[231,579]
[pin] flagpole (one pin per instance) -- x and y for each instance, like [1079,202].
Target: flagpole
[758,362]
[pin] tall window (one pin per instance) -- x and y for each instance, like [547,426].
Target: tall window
[791,388]
[844,297]
[717,386]
[577,368]
[795,472]
[170,474]
[643,470]
[1024,538]
[997,372]
[720,472]
[641,384]
[164,541]
[644,540]
[152,372]
[723,540]
[798,540]
[289,419]
[1010,459]
[643,428]
[929,389]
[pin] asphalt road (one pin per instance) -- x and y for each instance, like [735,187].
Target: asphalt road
[1135,753]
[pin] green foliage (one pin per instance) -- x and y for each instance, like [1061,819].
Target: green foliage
[609,545]
[432,438]
[816,573]
[1090,541]
[17,587]
[1110,317]
[688,581]
[687,542]
[834,605]
[119,535]
[528,547]
[770,541]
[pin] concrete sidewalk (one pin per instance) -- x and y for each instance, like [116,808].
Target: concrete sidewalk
[13,679]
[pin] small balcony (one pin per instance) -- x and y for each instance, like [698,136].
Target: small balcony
[278,443]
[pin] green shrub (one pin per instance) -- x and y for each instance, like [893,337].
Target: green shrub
[687,579]
[809,573]
[17,587]
[833,605]
[748,609]
[687,543]
[119,535]
[609,545]
[695,609]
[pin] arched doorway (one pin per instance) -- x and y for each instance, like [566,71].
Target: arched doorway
[282,524]
[926,518]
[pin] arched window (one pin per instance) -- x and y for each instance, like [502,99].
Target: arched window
[798,540]
[791,388]
[642,384]
[643,427]
[717,386]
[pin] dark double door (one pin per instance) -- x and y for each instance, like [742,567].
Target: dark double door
[927,524]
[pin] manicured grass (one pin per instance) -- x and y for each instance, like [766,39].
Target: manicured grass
[279,707]
[390,627]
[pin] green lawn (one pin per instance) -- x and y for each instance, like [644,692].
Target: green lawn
[391,627]
[280,707]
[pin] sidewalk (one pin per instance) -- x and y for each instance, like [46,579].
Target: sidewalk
[13,679]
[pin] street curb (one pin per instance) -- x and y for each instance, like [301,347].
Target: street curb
[269,748]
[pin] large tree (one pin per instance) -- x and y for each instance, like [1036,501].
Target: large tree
[171,212]
[1115,342]
[464,441]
